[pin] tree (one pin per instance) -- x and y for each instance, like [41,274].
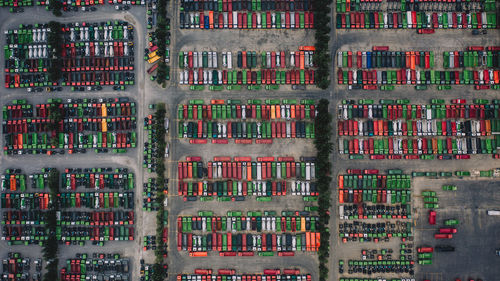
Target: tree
[323,144]
[159,132]
[162,35]
[322,36]
[55,6]
[54,70]
[162,72]
[55,117]
[54,40]
[51,274]
[50,246]
[158,274]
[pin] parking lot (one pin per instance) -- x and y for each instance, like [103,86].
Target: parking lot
[129,159]
[232,41]
[179,261]
[475,240]
[450,201]
[67,251]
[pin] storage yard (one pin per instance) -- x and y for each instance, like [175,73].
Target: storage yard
[190,140]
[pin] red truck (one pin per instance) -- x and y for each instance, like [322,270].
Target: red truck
[227,271]
[475,48]
[354,171]
[291,271]
[443,236]
[426,31]
[203,271]
[432,217]
[380,48]
[271,271]
[425,249]
[447,230]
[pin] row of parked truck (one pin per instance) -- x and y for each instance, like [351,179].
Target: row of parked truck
[240,189]
[254,221]
[432,5]
[379,211]
[437,109]
[303,58]
[234,242]
[371,179]
[84,263]
[102,31]
[413,147]
[41,143]
[97,49]
[343,6]
[229,274]
[95,178]
[74,125]
[92,200]
[377,230]
[403,266]
[473,56]
[375,196]
[375,279]
[426,21]
[113,73]
[35,217]
[71,179]
[96,218]
[243,167]
[25,235]
[418,128]
[246,20]
[245,5]
[268,77]
[108,107]
[270,109]
[95,63]
[100,78]
[246,130]
[67,5]
[369,79]
[381,57]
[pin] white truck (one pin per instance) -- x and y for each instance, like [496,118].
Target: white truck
[493,213]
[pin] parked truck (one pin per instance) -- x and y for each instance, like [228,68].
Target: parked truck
[493,213]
